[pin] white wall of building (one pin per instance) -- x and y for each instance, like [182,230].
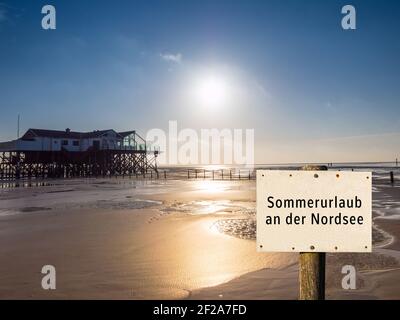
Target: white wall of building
[109,140]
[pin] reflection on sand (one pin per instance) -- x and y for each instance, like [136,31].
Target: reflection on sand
[210,186]
[115,238]
[211,207]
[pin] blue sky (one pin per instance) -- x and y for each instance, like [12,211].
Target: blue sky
[311,90]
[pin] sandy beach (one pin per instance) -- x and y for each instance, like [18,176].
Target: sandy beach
[169,239]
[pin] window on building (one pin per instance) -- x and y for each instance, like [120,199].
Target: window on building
[64,142]
[75,143]
[96,144]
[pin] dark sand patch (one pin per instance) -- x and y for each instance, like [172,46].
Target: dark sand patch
[122,205]
[34,209]
[61,191]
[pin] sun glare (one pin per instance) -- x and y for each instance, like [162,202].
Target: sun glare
[211,91]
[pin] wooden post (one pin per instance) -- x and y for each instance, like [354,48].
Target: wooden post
[213,174]
[391,177]
[165,174]
[312,266]
[17,167]
[312,276]
[188,173]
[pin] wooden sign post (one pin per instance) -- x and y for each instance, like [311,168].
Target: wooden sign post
[312,266]
[313,211]
[312,276]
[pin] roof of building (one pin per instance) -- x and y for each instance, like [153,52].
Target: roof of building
[67,134]
[126,133]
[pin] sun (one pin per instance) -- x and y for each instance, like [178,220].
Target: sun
[211,91]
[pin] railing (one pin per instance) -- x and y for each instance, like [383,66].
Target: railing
[139,147]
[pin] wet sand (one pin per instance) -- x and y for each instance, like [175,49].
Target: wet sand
[127,239]
[378,273]
[121,241]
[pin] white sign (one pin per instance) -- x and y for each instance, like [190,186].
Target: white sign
[314,211]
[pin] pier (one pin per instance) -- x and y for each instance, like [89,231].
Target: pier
[66,154]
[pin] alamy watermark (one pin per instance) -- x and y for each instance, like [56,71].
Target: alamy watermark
[205,146]
[348,21]
[49,18]
[49,280]
[349,280]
